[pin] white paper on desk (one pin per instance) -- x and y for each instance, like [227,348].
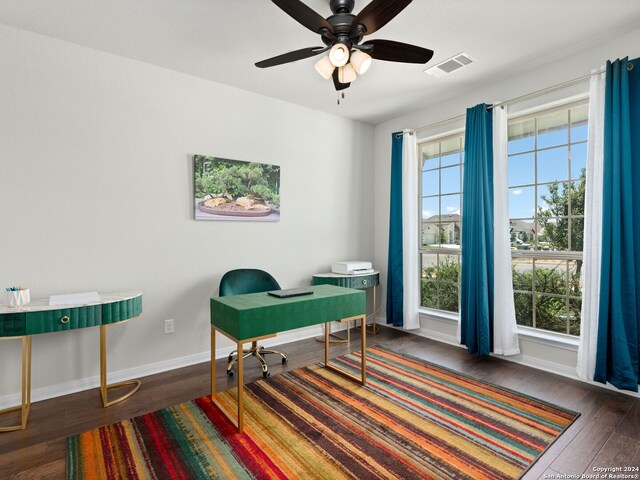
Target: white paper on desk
[74,298]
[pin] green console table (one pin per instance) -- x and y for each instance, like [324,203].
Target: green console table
[365,281]
[256,316]
[38,317]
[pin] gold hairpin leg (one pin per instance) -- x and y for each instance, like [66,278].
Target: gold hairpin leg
[25,403]
[104,388]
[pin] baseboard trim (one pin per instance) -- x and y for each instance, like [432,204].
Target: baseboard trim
[528,361]
[87,383]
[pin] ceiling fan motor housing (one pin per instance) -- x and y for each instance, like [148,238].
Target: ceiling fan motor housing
[341,21]
[342,6]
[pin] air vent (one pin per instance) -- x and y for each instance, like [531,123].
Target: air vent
[450,65]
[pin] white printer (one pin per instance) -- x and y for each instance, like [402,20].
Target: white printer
[352,267]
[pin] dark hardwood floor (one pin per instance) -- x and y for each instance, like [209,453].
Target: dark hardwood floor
[607,434]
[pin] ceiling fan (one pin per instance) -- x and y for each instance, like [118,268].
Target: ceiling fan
[342,33]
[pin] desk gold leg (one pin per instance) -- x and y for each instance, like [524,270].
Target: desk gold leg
[374,328]
[327,328]
[363,365]
[25,388]
[213,363]
[104,387]
[363,349]
[240,364]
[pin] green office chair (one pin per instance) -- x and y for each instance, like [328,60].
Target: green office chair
[239,282]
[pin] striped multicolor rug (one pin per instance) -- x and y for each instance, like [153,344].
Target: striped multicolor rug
[413,420]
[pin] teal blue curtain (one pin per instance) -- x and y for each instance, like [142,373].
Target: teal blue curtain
[476,301]
[619,311]
[395,290]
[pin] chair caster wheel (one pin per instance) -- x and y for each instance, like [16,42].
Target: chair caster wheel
[285,361]
[266,374]
[230,358]
[230,373]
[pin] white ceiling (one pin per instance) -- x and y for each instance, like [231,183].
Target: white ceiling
[221,40]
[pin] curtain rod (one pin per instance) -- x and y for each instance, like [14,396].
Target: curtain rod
[537,93]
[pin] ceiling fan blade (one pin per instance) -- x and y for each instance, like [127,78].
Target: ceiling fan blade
[291,57]
[336,83]
[391,51]
[304,15]
[378,13]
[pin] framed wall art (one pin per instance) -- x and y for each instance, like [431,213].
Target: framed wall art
[235,190]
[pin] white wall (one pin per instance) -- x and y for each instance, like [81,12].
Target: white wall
[575,65]
[96,186]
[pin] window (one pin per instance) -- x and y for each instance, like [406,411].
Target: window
[546,177]
[440,221]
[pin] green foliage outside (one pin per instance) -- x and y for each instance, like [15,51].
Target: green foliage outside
[440,286]
[234,179]
[441,290]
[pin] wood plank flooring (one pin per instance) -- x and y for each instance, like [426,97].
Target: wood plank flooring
[607,434]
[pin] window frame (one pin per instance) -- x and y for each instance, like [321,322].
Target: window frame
[439,250]
[535,255]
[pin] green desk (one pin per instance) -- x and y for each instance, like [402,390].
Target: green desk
[38,317]
[256,316]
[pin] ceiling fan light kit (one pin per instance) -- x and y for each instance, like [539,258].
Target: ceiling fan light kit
[360,61]
[339,55]
[342,34]
[324,67]
[346,74]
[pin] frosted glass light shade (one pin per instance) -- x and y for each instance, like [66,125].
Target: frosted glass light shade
[324,67]
[346,74]
[360,61]
[339,54]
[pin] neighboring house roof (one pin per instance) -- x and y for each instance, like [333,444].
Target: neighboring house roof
[522,226]
[449,218]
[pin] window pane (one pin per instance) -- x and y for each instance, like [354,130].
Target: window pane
[429,294]
[578,159]
[448,297]
[521,202]
[521,136]
[430,182]
[521,169]
[429,266]
[577,234]
[577,197]
[551,200]
[552,129]
[522,270]
[551,313]
[448,269]
[554,232]
[579,117]
[450,159]
[522,233]
[451,206]
[431,233]
[524,309]
[430,164]
[430,207]
[553,165]
[551,276]
[450,180]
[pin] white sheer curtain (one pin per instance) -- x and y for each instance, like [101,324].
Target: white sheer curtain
[592,247]
[411,275]
[505,333]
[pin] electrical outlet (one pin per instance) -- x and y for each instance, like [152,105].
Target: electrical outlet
[168,326]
